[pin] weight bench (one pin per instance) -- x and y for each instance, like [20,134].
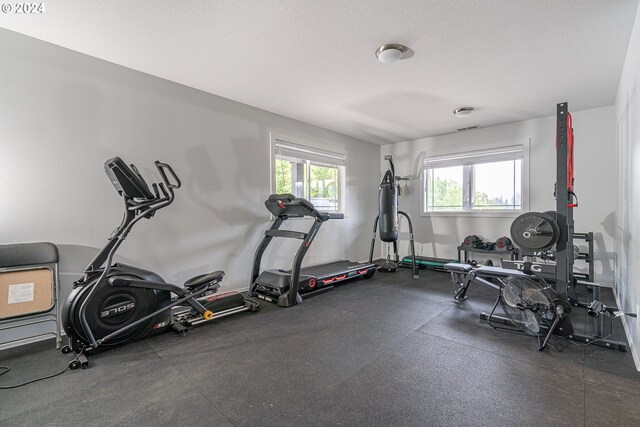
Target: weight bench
[464,274]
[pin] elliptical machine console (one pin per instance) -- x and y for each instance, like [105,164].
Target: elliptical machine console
[116,303]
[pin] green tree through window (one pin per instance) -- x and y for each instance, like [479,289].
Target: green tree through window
[323,181]
[283,177]
[313,174]
[446,194]
[483,180]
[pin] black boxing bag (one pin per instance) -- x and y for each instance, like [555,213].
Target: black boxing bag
[388,209]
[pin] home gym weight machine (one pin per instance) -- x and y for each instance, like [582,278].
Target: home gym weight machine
[116,303]
[530,303]
[388,222]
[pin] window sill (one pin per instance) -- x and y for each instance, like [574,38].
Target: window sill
[476,214]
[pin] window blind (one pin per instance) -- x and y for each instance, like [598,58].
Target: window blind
[514,152]
[288,149]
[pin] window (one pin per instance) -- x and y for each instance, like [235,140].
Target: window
[486,180]
[310,173]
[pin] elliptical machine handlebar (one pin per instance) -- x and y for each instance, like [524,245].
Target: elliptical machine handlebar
[156,193]
[163,168]
[167,194]
[130,184]
[162,192]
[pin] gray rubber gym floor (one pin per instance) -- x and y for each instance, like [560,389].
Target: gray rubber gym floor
[387,351]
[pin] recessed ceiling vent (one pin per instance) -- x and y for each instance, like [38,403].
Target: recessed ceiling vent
[469,128]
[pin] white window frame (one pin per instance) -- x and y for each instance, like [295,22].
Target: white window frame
[470,152]
[314,153]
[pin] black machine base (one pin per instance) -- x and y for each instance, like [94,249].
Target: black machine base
[388,267]
[273,285]
[220,305]
[585,339]
[463,275]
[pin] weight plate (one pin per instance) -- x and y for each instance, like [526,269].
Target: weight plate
[535,231]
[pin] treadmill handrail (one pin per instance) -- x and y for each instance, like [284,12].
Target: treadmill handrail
[286,233]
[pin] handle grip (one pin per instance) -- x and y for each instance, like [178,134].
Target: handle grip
[336,216]
[163,168]
[163,188]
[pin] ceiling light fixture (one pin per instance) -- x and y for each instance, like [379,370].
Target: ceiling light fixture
[462,111]
[392,52]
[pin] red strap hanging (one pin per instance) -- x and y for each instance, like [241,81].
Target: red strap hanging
[572,203]
[569,152]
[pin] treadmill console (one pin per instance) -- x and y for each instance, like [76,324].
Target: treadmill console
[127,180]
[289,206]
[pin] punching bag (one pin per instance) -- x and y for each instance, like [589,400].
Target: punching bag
[388,208]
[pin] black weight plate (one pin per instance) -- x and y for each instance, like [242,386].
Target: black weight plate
[535,231]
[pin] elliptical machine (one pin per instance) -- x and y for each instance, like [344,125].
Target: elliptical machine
[114,304]
[387,218]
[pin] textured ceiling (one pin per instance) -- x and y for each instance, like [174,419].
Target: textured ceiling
[313,60]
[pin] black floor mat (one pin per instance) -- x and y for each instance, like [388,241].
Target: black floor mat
[391,350]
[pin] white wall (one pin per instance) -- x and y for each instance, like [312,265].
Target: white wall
[62,114]
[595,176]
[627,278]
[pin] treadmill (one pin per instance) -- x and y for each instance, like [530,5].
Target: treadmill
[289,287]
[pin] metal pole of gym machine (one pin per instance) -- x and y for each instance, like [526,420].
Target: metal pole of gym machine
[564,214]
[565,287]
